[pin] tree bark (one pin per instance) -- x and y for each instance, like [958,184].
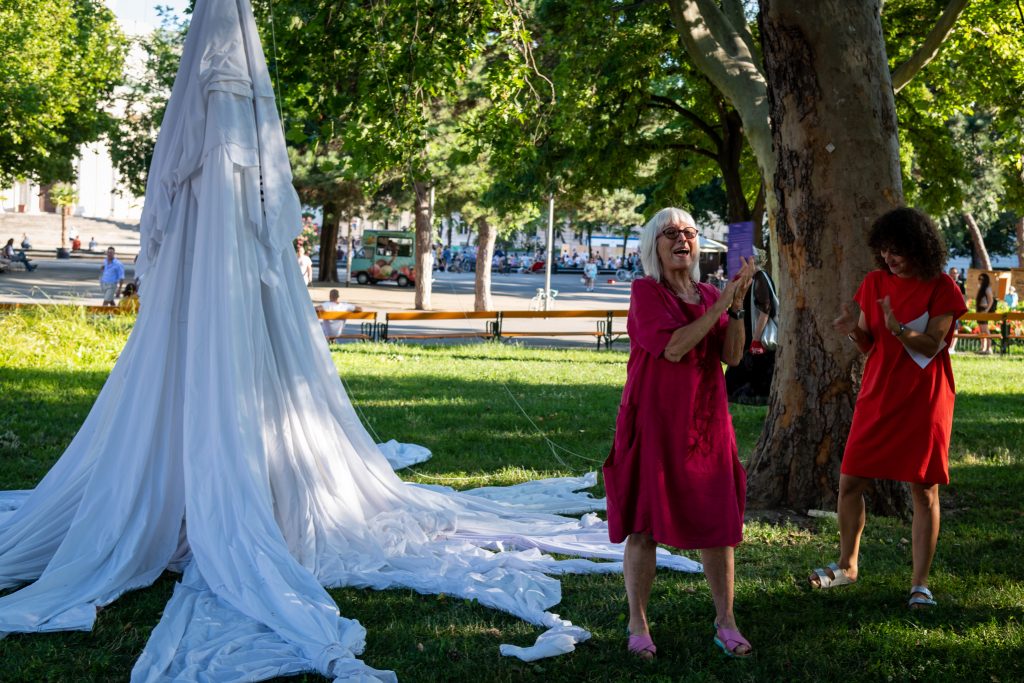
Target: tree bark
[729,163]
[329,243]
[835,137]
[424,242]
[484,253]
[1020,244]
[981,258]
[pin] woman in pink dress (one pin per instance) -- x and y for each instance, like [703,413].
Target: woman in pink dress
[673,475]
[904,412]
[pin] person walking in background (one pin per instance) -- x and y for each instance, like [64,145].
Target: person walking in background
[673,475]
[305,265]
[26,243]
[590,274]
[111,277]
[984,302]
[904,411]
[335,328]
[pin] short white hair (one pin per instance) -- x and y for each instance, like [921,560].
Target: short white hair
[649,241]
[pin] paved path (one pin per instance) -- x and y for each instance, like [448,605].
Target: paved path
[75,280]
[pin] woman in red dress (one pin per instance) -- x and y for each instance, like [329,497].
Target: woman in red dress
[904,412]
[673,475]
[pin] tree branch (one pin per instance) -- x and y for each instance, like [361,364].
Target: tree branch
[696,149]
[718,51]
[668,103]
[733,11]
[929,49]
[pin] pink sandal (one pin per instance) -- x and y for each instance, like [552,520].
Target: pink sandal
[641,645]
[729,640]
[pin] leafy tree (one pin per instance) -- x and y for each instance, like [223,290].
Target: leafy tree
[59,63]
[143,100]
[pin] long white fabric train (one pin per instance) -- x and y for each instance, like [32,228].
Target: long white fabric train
[223,444]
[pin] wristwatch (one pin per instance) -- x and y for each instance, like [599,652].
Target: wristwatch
[903,328]
[735,314]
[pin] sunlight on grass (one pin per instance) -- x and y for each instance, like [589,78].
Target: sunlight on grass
[489,413]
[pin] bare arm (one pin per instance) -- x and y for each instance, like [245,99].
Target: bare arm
[926,343]
[688,336]
[735,342]
[855,327]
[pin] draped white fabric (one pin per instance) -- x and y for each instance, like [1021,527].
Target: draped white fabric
[223,444]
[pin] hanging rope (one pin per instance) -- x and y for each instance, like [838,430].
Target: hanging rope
[277,74]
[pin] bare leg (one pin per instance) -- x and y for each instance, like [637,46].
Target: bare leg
[985,342]
[925,529]
[851,523]
[638,570]
[719,569]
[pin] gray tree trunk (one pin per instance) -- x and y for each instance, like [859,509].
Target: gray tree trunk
[1020,244]
[484,253]
[424,242]
[977,242]
[835,139]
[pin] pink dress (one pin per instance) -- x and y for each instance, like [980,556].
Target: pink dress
[674,470]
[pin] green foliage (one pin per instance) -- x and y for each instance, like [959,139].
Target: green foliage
[459,402]
[59,63]
[144,98]
[962,131]
[63,194]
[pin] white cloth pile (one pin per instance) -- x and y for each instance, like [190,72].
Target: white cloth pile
[223,444]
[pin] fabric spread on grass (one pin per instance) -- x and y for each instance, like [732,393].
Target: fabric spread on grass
[223,444]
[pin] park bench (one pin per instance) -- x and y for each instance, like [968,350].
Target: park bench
[604,331]
[489,332]
[367,324]
[1001,328]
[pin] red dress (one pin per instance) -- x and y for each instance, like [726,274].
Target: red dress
[674,470]
[904,413]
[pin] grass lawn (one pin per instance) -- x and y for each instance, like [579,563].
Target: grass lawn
[473,407]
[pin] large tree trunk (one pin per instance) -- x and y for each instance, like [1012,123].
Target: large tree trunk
[484,254]
[834,136]
[981,258]
[424,242]
[329,243]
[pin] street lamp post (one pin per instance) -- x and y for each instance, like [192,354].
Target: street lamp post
[547,261]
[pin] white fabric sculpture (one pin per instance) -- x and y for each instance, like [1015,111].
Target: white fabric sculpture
[223,444]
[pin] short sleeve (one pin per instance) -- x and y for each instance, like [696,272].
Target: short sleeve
[650,322]
[946,299]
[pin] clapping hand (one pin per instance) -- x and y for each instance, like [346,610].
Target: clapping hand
[890,318]
[846,323]
[737,288]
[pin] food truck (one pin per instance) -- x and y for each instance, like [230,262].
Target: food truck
[386,255]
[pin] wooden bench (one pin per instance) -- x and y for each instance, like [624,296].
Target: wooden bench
[489,332]
[998,326]
[604,332]
[367,326]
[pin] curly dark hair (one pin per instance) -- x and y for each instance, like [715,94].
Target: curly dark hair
[914,236]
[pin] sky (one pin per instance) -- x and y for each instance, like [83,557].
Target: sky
[139,16]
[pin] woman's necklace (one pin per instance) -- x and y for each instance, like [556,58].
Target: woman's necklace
[690,294]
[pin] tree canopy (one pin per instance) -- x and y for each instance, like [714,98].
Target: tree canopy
[60,61]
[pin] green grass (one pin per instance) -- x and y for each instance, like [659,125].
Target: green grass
[458,401]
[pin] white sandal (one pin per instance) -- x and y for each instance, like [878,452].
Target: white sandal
[838,578]
[916,601]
